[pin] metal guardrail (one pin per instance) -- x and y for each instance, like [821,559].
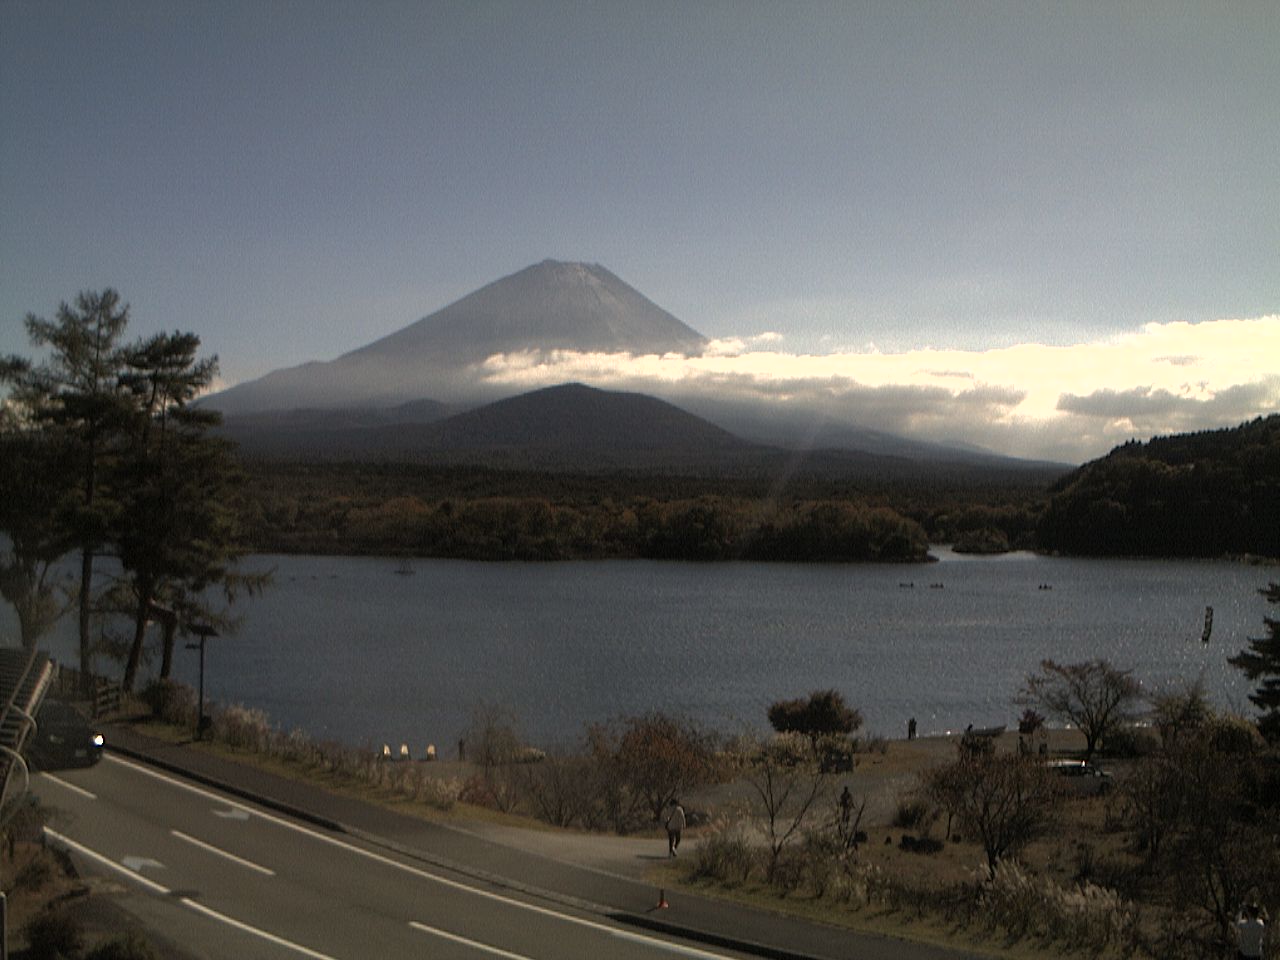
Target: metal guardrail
[25,677]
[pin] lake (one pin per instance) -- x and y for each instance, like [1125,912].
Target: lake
[362,651]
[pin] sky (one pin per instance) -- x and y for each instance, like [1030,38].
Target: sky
[1042,228]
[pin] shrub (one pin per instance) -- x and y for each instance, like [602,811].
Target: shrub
[1129,743]
[872,743]
[822,713]
[913,812]
[1234,736]
[1030,723]
[791,870]
[171,701]
[910,844]
[26,823]
[35,874]
[725,855]
[1088,917]
[826,860]
[127,946]
[54,934]
[244,727]
[478,792]
[438,792]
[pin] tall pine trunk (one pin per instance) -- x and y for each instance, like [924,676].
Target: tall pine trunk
[86,612]
[140,618]
[166,659]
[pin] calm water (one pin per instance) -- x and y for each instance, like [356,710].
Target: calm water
[352,650]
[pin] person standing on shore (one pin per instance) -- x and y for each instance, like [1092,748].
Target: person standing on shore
[675,826]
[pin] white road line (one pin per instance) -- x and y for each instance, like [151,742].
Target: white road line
[172,781]
[106,862]
[270,937]
[70,786]
[186,901]
[473,944]
[651,942]
[222,853]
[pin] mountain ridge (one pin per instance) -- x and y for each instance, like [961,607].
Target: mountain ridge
[577,428]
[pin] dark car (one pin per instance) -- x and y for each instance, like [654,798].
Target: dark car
[62,738]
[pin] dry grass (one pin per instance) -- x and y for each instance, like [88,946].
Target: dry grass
[338,784]
[1039,912]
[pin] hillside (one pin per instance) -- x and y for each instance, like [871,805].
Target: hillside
[1206,494]
[574,417]
[581,429]
[568,427]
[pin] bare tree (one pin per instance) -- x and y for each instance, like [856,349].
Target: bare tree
[661,757]
[555,788]
[1220,841]
[1004,800]
[788,783]
[494,745]
[1094,696]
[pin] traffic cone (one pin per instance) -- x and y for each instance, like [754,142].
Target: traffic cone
[662,900]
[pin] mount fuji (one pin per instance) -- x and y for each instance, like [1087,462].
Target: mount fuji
[548,306]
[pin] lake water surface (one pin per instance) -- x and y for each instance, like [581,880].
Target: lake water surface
[351,649]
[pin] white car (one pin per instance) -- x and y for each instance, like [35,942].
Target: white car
[1081,777]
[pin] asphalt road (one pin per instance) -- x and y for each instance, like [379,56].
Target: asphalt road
[221,878]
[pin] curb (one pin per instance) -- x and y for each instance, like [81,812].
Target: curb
[641,921]
[723,941]
[278,806]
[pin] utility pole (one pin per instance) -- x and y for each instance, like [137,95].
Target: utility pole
[204,632]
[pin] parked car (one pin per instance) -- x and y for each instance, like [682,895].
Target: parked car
[1080,777]
[62,738]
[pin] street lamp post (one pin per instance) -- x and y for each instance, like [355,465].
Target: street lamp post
[204,632]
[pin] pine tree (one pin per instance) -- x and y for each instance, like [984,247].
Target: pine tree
[102,452]
[1262,661]
[76,395]
[35,491]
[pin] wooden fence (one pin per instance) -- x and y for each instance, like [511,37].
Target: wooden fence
[104,698]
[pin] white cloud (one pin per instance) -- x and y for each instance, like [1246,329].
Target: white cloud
[1067,402]
[737,346]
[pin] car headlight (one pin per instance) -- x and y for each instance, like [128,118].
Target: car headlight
[97,740]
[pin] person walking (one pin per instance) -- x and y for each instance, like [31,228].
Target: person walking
[675,826]
[1251,929]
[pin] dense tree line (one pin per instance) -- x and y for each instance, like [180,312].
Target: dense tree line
[1194,495]
[485,513]
[537,528]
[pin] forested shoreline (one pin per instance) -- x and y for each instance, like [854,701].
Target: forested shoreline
[1210,494]
[489,514]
